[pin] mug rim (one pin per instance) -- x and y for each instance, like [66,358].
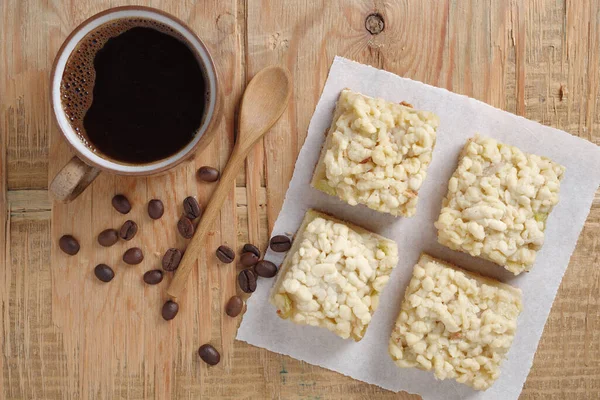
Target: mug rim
[195,44]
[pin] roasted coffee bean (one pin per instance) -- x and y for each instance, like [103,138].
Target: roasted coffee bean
[225,254]
[280,243]
[133,256]
[153,277]
[68,244]
[234,306]
[266,269]
[128,230]
[252,249]
[171,259]
[191,207]
[108,237]
[155,209]
[209,354]
[121,204]
[248,259]
[247,280]
[104,272]
[185,227]
[170,310]
[208,174]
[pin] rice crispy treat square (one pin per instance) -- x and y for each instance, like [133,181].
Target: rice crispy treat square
[376,153]
[458,324]
[333,275]
[497,203]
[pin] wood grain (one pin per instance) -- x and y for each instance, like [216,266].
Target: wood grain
[66,336]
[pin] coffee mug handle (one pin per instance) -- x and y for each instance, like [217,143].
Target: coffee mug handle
[72,179]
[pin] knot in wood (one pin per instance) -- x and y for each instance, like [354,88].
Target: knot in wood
[374,23]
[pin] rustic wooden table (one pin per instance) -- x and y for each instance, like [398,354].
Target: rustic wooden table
[64,335]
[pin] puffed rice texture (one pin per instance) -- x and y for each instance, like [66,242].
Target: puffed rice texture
[376,153]
[497,203]
[457,324]
[333,275]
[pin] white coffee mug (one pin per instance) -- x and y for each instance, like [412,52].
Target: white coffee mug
[87,164]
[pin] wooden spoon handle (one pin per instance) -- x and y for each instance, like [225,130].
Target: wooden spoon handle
[226,184]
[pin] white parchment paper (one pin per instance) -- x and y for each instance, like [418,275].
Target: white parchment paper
[460,118]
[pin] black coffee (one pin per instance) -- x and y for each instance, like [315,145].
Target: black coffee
[134,91]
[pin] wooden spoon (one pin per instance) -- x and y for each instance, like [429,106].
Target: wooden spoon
[264,101]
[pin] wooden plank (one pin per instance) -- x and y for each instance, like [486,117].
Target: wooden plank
[476,64]
[4,214]
[26,117]
[255,163]
[28,205]
[33,351]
